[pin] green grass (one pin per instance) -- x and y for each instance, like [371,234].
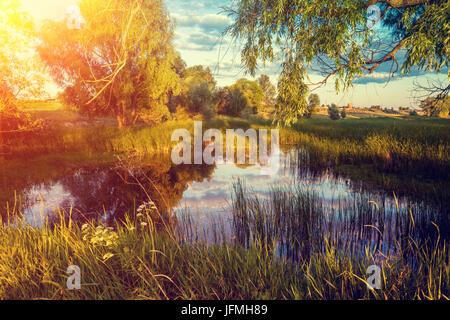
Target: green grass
[105,139]
[381,141]
[414,147]
[137,260]
[420,129]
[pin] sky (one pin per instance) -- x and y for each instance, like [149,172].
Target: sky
[199,39]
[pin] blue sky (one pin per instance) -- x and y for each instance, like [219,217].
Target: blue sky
[198,38]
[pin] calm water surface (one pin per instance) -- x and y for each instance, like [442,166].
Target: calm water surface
[202,191]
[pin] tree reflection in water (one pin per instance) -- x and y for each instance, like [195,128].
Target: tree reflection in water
[113,193]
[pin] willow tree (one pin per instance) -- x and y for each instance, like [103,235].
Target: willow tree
[252,92]
[270,93]
[340,40]
[118,60]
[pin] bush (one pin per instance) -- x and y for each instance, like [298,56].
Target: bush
[232,102]
[343,114]
[181,113]
[247,113]
[311,110]
[157,114]
[333,112]
[413,113]
[207,111]
[201,101]
[13,119]
[440,113]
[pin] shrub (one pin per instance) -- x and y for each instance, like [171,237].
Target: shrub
[13,119]
[333,112]
[201,101]
[157,114]
[311,110]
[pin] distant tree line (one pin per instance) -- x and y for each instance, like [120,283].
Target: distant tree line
[200,97]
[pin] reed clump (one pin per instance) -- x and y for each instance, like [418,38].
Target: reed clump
[390,146]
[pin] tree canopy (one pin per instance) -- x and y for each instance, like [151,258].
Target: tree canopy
[338,38]
[252,92]
[194,76]
[270,94]
[120,61]
[20,68]
[21,71]
[231,101]
[436,107]
[196,95]
[314,100]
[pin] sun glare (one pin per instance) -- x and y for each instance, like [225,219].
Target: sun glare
[47,9]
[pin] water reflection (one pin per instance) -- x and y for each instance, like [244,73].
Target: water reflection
[110,193]
[202,191]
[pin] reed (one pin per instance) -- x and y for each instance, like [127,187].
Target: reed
[389,145]
[284,247]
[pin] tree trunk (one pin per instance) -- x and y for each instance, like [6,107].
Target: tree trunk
[122,115]
[120,121]
[397,3]
[133,114]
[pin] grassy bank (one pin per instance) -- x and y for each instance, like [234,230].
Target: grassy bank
[135,261]
[142,264]
[390,145]
[413,147]
[96,140]
[91,140]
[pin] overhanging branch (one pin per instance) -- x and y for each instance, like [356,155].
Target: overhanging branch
[397,3]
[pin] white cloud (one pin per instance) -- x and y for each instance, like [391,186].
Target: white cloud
[214,23]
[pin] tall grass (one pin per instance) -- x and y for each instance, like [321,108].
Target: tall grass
[281,248]
[296,224]
[389,145]
[298,220]
[94,140]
